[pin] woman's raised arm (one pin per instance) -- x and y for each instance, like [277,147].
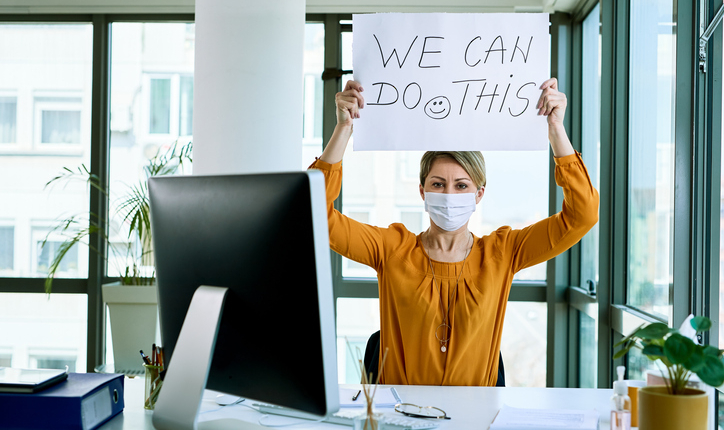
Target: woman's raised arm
[348,102]
[552,103]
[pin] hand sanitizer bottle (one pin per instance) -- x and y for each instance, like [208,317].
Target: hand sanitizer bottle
[620,403]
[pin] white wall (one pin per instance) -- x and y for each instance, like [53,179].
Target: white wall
[248,86]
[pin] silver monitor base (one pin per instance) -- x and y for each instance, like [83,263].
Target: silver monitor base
[179,401]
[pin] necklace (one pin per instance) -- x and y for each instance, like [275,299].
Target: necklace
[445,326]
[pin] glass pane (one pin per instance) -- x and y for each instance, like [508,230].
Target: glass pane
[45,110]
[7,244]
[60,126]
[386,185]
[40,330]
[591,130]
[651,156]
[357,319]
[313,92]
[524,344]
[186,106]
[151,115]
[8,119]
[588,351]
[160,105]
[638,364]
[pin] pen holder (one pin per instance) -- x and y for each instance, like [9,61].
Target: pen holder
[153,386]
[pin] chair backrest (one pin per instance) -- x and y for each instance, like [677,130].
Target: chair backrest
[372,359]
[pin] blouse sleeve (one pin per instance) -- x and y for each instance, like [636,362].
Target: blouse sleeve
[547,238]
[357,241]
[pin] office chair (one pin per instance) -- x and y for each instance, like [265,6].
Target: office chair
[372,359]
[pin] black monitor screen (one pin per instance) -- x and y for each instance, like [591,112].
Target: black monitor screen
[254,234]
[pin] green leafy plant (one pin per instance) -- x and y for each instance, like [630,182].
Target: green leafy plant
[130,209]
[679,354]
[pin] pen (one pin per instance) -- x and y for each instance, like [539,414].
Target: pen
[356,395]
[145,358]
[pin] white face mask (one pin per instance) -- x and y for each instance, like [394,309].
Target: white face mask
[450,211]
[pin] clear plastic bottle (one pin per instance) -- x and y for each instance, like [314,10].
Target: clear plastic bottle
[620,404]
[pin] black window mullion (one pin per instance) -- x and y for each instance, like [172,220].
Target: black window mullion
[100,114]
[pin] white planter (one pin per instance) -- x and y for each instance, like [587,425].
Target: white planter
[134,314]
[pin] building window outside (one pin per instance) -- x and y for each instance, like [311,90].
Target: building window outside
[59,360]
[160,108]
[7,249]
[651,156]
[68,266]
[58,120]
[8,119]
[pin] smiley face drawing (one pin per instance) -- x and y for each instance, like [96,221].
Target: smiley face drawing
[438,108]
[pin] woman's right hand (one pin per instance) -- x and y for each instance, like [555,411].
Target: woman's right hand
[349,102]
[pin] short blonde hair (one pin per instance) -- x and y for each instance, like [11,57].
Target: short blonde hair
[471,161]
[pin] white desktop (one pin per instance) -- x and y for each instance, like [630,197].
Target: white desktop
[469,407]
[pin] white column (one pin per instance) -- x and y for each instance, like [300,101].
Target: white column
[248,86]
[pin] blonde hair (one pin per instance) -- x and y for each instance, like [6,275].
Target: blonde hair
[471,161]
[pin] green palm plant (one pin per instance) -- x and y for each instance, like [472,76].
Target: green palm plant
[131,208]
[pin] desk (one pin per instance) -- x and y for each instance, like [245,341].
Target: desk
[469,407]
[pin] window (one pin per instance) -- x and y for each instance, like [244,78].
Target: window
[591,129]
[6,360]
[8,119]
[58,120]
[41,330]
[151,100]
[651,156]
[7,248]
[357,319]
[591,152]
[46,254]
[160,106]
[313,92]
[57,360]
[186,106]
[48,66]
[524,344]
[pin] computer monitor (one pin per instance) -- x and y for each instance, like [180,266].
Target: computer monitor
[265,238]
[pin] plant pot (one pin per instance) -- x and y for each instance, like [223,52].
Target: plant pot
[659,410]
[134,314]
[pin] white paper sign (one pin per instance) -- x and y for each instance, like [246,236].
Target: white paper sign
[451,81]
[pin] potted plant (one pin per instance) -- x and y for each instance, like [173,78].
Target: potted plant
[675,405]
[131,301]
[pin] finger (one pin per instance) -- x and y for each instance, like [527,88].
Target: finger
[550,83]
[353,85]
[547,92]
[347,105]
[355,94]
[352,95]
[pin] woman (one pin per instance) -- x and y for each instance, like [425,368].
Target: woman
[443,293]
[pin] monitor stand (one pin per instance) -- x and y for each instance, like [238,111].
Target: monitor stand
[179,401]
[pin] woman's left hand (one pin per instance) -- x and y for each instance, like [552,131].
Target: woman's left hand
[552,103]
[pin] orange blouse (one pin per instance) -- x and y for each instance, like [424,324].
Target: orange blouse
[410,308]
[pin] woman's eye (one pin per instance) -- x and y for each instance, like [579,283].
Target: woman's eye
[462,186]
[437,184]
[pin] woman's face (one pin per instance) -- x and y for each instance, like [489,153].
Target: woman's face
[447,176]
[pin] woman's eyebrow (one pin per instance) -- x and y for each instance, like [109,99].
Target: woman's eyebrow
[458,179]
